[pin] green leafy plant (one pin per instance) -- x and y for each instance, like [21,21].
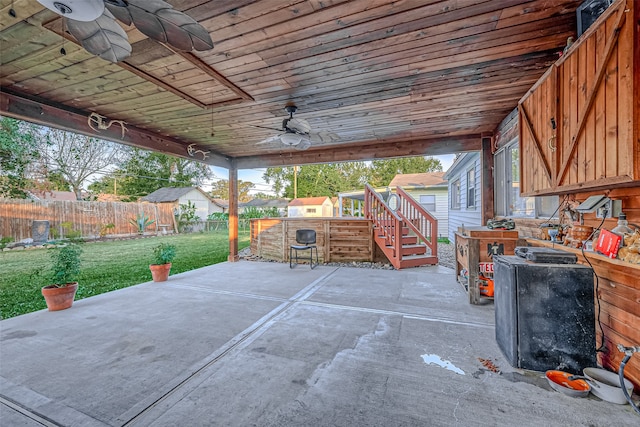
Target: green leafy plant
[106,229]
[5,240]
[251,212]
[141,222]
[218,216]
[69,232]
[187,216]
[164,253]
[66,265]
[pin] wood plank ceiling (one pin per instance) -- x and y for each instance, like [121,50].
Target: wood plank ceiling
[388,78]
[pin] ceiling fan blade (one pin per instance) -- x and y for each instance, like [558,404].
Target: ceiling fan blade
[265,127]
[299,126]
[160,21]
[103,37]
[271,139]
[304,144]
[324,136]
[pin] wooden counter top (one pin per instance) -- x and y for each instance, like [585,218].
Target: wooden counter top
[592,256]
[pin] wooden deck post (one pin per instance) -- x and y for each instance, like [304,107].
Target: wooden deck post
[486,164]
[233,213]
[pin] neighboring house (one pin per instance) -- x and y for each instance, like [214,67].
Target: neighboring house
[69,196]
[224,204]
[311,207]
[336,206]
[465,187]
[430,190]
[280,204]
[182,196]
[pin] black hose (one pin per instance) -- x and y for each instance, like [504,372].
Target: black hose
[624,388]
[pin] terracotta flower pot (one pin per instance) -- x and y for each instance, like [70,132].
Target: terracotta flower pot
[59,298]
[160,272]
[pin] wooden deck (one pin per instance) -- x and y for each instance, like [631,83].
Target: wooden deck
[338,239]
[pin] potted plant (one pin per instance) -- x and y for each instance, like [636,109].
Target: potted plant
[65,270]
[163,255]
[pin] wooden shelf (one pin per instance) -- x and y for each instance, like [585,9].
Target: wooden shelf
[592,256]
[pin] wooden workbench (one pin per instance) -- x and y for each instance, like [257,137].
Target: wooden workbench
[476,245]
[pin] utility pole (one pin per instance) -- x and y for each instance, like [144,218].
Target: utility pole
[295,182]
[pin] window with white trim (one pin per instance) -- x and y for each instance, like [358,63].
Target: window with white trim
[507,188]
[428,201]
[455,194]
[471,188]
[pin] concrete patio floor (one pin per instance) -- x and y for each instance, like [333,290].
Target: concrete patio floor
[258,344]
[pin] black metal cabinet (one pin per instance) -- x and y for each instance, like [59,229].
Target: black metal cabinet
[544,314]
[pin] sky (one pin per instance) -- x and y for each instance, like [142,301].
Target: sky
[260,186]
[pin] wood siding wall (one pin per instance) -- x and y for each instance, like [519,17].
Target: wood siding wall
[593,93]
[17,216]
[618,287]
[338,239]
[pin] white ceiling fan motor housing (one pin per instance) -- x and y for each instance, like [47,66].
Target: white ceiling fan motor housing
[79,10]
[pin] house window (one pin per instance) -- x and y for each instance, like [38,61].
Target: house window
[471,188]
[455,194]
[429,202]
[507,188]
[311,210]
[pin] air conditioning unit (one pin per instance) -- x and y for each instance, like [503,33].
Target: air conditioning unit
[589,11]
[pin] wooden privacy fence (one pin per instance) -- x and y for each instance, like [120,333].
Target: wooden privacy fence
[338,239]
[87,219]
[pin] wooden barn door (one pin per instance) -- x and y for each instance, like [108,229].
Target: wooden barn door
[538,124]
[595,90]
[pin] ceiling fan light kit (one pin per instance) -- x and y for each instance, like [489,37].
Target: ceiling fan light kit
[79,10]
[290,139]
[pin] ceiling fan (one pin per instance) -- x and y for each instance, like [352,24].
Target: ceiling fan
[93,24]
[297,132]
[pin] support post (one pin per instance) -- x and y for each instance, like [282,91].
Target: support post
[486,164]
[233,213]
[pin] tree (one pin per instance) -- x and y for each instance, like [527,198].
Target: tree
[318,180]
[220,190]
[265,196]
[73,158]
[18,150]
[142,172]
[383,171]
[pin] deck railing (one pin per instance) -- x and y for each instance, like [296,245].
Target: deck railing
[385,220]
[418,219]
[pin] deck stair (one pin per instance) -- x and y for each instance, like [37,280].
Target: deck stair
[407,235]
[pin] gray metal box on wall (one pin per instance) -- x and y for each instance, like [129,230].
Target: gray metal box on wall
[544,314]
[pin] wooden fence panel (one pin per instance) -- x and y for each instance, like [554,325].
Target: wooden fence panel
[87,218]
[338,239]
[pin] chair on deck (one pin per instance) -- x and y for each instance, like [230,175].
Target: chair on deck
[306,240]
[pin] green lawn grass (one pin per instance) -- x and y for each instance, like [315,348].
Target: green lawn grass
[106,266]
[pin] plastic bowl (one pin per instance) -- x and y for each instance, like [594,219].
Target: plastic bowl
[559,381]
[606,385]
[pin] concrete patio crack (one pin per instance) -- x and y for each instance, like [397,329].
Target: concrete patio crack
[146,411]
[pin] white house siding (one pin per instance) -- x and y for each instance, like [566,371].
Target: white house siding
[323,210]
[201,202]
[327,209]
[442,205]
[464,216]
